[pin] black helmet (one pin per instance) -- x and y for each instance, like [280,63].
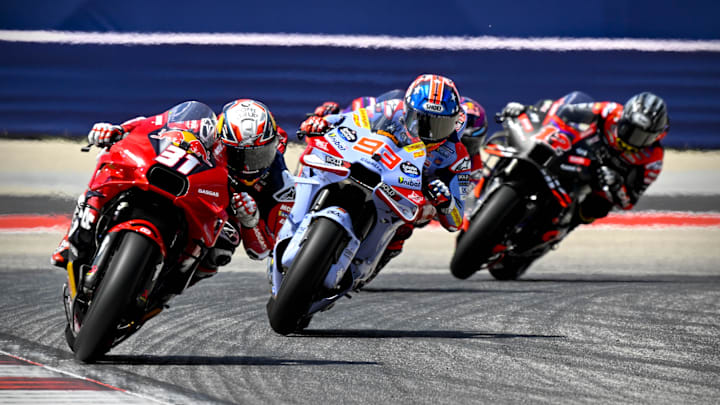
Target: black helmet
[643,122]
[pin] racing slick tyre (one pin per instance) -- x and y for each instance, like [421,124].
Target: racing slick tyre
[115,291]
[475,245]
[287,312]
[69,337]
[509,269]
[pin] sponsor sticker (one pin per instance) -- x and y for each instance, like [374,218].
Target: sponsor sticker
[414,147]
[409,182]
[338,144]
[333,161]
[348,134]
[461,165]
[388,190]
[410,169]
[364,121]
[438,108]
[208,192]
[415,197]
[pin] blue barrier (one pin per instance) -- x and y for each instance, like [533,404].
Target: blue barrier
[695,19]
[56,89]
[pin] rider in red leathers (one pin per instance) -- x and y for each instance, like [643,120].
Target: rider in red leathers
[192,123]
[262,188]
[631,136]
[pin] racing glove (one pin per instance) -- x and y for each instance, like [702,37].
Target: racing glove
[327,108]
[103,134]
[611,183]
[314,125]
[439,195]
[607,176]
[512,109]
[245,209]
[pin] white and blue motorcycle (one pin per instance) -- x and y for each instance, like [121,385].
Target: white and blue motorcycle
[356,187]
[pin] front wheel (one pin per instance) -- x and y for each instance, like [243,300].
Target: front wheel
[287,312]
[113,295]
[509,269]
[486,229]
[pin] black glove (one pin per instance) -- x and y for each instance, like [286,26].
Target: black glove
[513,109]
[607,177]
[611,182]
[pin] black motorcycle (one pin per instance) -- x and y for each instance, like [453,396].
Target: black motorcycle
[537,171]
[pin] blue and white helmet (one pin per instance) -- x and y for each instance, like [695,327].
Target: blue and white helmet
[431,108]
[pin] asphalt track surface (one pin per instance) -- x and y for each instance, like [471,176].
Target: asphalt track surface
[615,315]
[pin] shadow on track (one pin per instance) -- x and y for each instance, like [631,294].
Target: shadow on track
[221,361]
[590,281]
[448,290]
[430,334]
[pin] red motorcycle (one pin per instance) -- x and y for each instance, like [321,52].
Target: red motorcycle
[163,193]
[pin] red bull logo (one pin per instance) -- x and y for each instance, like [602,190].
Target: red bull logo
[179,137]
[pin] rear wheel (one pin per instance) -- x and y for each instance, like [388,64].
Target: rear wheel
[287,312]
[115,291]
[486,229]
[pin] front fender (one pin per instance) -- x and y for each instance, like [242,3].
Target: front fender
[338,269]
[143,227]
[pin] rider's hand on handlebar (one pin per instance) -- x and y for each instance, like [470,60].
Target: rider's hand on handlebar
[327,108]
[314,125]
[513,109]
[245,209]
[607,176]
[439,193]
[103,134]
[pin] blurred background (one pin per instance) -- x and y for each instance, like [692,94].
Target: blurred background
[56,84]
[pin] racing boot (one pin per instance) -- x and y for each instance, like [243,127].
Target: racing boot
[61,254]
[394,248]
[219,255]
[80,235]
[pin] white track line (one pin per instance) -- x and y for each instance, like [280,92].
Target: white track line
[556,44]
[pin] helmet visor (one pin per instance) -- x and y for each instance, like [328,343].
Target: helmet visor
[635,136]
[474,127]
[250,159]
[429,127]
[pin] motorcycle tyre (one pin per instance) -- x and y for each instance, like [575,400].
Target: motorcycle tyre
[69,337]
[473,246]
[287,312]
[117,288]
[510,271]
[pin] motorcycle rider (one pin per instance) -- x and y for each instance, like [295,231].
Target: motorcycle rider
[198,125]
[476,126]
[472,136]
[262,190]
[429,111]
[630,135]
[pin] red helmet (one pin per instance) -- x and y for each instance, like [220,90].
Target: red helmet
[249,132]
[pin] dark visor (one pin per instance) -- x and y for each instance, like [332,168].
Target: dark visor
[252,158]
[634,136]
[428,127]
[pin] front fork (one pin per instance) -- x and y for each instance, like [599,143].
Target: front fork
[337,270]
